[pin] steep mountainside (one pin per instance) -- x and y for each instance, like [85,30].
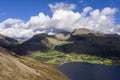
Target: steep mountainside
[93,43]
[36,43]
[13,67]
[7,42]
[42,42]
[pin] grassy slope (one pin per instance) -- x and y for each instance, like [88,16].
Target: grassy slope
[13,67]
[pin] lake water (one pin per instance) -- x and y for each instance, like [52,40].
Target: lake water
[87,71]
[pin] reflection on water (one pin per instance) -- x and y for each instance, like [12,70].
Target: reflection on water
[87,71]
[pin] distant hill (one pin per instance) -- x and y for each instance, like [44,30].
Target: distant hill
[14,67]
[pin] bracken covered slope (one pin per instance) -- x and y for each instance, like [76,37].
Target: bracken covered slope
[13,67]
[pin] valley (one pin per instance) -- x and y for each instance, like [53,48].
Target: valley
[82,45]
[43,53]
[56,58]
[59,39]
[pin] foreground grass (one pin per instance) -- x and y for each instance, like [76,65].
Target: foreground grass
[14,67]
[56,58]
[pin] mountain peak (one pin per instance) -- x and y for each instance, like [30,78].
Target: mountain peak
[86,31]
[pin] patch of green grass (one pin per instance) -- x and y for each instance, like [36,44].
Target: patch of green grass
[53,57]
[108,61]
[1,66]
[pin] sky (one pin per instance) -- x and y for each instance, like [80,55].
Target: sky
[21,19]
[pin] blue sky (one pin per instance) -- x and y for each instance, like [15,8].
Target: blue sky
[24,9]
[21,19]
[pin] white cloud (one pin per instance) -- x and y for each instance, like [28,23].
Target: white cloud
[108,11]
[86,10]
[39,22]
[63,18]
[116,29]
[62,6]
[15,28]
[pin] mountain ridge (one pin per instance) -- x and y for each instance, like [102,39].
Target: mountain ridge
[79,41]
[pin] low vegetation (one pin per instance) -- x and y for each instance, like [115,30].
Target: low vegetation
[53,57]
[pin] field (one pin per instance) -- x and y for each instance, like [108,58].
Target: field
[53,57]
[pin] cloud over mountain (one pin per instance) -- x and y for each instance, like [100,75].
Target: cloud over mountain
[63,18]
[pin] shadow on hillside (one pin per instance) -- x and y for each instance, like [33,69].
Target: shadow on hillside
[36,43]
[104,46]
[25,49]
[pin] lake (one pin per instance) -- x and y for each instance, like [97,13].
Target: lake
[87,71]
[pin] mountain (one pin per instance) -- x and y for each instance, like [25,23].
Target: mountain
[90,42]
[7,42]
[42,42]
[38,42]
[14,67]
[81,45]
[80,41]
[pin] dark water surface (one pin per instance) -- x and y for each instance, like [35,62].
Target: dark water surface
[87,71]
